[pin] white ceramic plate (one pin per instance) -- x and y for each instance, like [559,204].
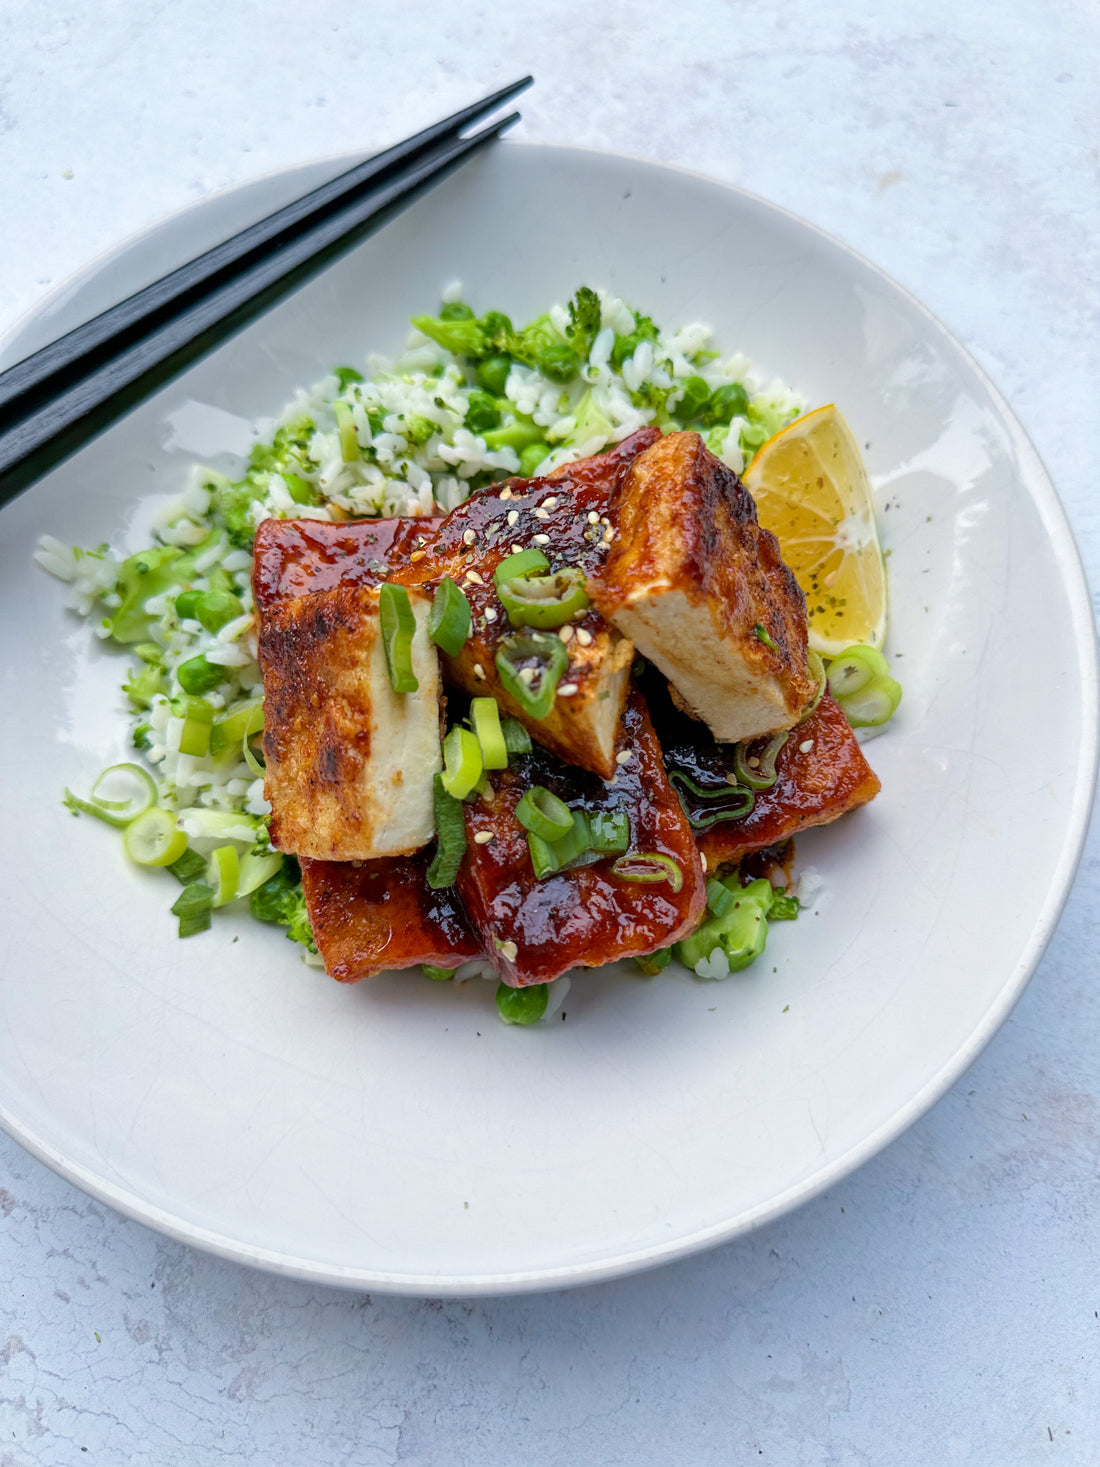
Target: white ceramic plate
[395,1135]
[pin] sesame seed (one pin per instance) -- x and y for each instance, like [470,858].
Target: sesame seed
[703,860]
[608,535]
[468,537]
[418,555]
[506,493]
[593,517]
[483,837]
[606,521]
[513,516]
[517,549]
[565,633]
[754,762]
[508,950]
[542,539]
[584,636]
[490,613]
[479,671]
[624,756]
[551,503]
[527,675]
[540,514]
[472,575]
[566,690]
[805,746]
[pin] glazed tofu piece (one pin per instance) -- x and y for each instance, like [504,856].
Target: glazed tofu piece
[372,915]
[821,774]
[700,589]
[534,930]
[350,762]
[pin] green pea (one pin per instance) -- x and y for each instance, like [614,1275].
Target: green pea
[558,362]
[197,675]
[492,373]
[531,457]
[496,326]
[456,311]
[482,413]
[522,1005]
[728,402]
[187,604]
[215,608]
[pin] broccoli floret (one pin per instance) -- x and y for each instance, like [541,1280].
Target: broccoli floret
[234,504]
[281,900]
[584,320]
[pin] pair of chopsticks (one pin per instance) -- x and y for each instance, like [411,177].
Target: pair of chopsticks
[54,401]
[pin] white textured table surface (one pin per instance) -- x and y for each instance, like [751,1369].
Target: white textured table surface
[943,1305]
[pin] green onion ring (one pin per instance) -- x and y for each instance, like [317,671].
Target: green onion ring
[550,652]
[398,629]
[485,717]
[648,866]
[543,814]
[763,776]
[118,813]
[544,601]
[449,621]
[462,765]
[523,563]
[450,829]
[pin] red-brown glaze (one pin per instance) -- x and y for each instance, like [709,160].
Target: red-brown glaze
[305,557]
[584,917]
[812,788]
[375,915]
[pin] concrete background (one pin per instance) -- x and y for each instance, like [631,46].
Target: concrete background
[942,1305]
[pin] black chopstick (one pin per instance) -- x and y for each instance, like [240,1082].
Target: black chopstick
[61,405]
[79,351]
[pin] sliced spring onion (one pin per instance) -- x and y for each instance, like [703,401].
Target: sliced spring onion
[872,705]
[543,814]
[652,963]
[449,619]
[524,563]
[450,830]
[350,451]
[398,629]
[222,874]
[719,897]
[534,694]
[462,764]
[255,868]
[648,866]
[240,722]
[854,668]
[550,857]
[816,669]
[516,738]
[248,754]
[117,811]
[188,867]
[437,975]
[485,717]
[154,838]
[760,775]
[195,737]
[522,1005]
[609,831]
[193,907]
[544,601]
[746,800]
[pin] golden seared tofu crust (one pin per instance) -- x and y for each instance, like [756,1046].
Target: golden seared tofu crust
[349,761]
[700,588]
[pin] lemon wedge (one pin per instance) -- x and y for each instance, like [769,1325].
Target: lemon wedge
[811,490]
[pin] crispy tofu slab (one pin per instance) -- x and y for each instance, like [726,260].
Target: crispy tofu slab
[700,589]
[533,931]
[821,775]
[374,915]
[349,761]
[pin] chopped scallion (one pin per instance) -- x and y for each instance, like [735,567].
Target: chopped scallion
[524,563]
[543,814]
[119,812]
[485,717]
[449,620]
[534,694]
[648,866]
[544,601]
[398,629]
[462,765]
[450,830]
[154,838]
[350,451]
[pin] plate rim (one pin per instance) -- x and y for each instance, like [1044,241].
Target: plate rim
[1040,487]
